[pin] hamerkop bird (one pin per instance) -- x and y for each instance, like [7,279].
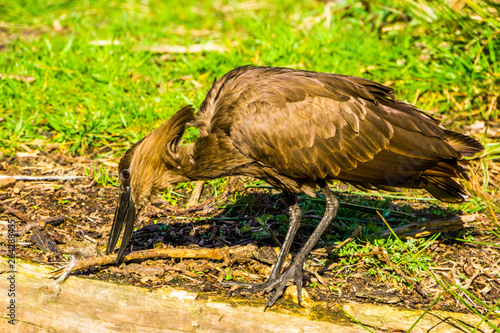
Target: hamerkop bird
[296,130]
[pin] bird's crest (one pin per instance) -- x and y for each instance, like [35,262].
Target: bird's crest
[171,135]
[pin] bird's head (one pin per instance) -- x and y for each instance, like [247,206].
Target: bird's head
[148,167]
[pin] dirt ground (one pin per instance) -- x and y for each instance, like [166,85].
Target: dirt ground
[87,209]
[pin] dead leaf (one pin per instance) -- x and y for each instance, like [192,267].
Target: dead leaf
[43,241]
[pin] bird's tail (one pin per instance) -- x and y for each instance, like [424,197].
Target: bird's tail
[464,144]
[440,183]
[445,189]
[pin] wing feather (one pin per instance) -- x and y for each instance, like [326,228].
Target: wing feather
[318,139]
[308,125]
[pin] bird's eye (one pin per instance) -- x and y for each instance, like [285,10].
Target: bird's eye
[125,174]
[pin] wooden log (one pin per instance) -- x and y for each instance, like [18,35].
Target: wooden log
[87,305]
[388,318]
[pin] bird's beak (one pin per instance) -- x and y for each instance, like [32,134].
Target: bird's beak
[124,216]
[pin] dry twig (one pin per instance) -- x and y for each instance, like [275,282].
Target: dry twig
[384,256]
[196,194]
[193,48]
[15,212]
[356,232]
[201,253]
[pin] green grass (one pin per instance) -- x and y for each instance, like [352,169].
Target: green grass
[88,97]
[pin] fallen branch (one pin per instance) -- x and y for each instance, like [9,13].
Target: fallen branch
[83,305]
[201,253]
[42,178]
[426,228]
[41,224]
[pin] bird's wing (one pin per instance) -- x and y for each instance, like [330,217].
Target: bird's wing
[317,137]
[314,125]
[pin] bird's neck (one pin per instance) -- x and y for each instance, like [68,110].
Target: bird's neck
[210,157]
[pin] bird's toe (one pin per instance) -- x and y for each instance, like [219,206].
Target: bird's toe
[274,286]
[245,288]
[277,288]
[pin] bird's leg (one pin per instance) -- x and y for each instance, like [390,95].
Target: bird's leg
[294,272]
[276,283]
[295,215]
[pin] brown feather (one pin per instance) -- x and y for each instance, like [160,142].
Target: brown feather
[349,128]
[292,127]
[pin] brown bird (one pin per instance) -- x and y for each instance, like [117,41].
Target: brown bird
[295,130]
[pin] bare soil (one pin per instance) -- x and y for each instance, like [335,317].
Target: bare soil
[219,222]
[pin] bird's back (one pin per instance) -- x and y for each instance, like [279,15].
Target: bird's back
[301,126]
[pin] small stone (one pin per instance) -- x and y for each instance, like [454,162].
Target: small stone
[291,295]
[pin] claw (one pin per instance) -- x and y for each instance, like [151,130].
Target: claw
[273,297]
[246,287]
[267,305]
[299,291]
[275,287]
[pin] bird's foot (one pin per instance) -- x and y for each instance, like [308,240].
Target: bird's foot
[274,286]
